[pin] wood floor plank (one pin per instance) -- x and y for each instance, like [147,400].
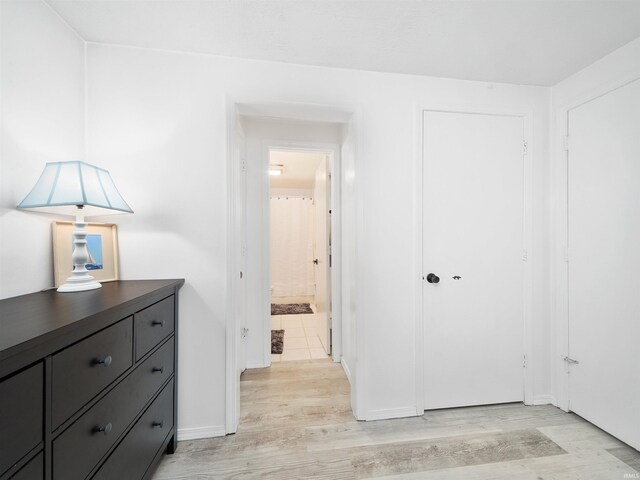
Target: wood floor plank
[296,423]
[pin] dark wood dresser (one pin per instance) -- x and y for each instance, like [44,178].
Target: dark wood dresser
[88,381]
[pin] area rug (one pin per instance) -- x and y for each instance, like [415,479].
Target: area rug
[290,308]
[277,341]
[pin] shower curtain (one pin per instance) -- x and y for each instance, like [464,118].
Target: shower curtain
[292,272]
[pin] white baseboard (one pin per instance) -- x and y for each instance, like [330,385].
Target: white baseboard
[543,400]
[388,413]
[346,369]
[256,365]
[195,433]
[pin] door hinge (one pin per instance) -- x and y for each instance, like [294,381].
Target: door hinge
[571,361]
[243,165]
[566,143]
[566,255]
[525,255]
[524,361]
[244,331]
[525,147]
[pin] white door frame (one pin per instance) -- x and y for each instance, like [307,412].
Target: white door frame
[355,121]
[234,240]
[333,152]
[527,247]
[560,233]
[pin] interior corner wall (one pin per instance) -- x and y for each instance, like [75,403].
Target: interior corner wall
[42,92]
[260,132]
[608,73]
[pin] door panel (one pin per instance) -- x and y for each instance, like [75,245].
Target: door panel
[604,260]
[321,248]
[473,229]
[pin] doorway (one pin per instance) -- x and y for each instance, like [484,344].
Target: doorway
[473,258]
[300,254]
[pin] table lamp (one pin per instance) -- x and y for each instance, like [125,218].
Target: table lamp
[76,189]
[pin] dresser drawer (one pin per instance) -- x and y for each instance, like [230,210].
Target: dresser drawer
[79,448]
[87,367]
[34,470]
[153,324]
[21,404]
[132,457]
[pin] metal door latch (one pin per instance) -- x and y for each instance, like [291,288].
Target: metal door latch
[571,361]
[457,277]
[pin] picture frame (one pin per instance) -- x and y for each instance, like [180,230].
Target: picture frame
[102,242]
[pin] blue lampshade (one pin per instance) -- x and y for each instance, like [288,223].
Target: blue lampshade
[65,185]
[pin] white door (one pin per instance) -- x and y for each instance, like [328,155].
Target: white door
[473,168]
[321,254]
[604,261]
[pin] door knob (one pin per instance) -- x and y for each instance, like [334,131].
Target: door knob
[316,261]
[433,278]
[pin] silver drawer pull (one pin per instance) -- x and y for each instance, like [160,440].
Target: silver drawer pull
[105,362]
[103,429]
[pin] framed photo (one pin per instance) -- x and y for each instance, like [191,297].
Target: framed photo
[102,243]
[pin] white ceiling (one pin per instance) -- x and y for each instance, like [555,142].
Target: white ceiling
[299,168]
[535,42]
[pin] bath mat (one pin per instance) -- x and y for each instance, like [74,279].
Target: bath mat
[277,341]
[290,308]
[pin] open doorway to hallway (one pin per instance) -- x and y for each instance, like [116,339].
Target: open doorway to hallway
[323,334]
[300,254]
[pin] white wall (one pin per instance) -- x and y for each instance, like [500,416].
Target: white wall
[612,71]
[157,120]
[42,92]
[260,133]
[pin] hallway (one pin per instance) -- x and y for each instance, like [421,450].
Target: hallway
[297,423]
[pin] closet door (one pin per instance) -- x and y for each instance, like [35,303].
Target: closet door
[604,261]
[473,191]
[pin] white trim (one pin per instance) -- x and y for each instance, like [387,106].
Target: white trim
[559,267]
[336,254]
[527,299]
[195,433]
[543,400]
[359,387]
[527,234]
[388,413]
[418,260]
[232,378]
[346,369]
[560,235]
[257,365]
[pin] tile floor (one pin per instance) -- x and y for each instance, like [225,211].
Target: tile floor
[301,340]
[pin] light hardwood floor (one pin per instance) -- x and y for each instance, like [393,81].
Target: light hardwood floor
[297,424]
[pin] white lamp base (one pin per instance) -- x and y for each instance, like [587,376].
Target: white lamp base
[80,280]
[71,285]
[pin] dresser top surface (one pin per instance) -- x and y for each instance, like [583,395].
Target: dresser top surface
[30,317]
